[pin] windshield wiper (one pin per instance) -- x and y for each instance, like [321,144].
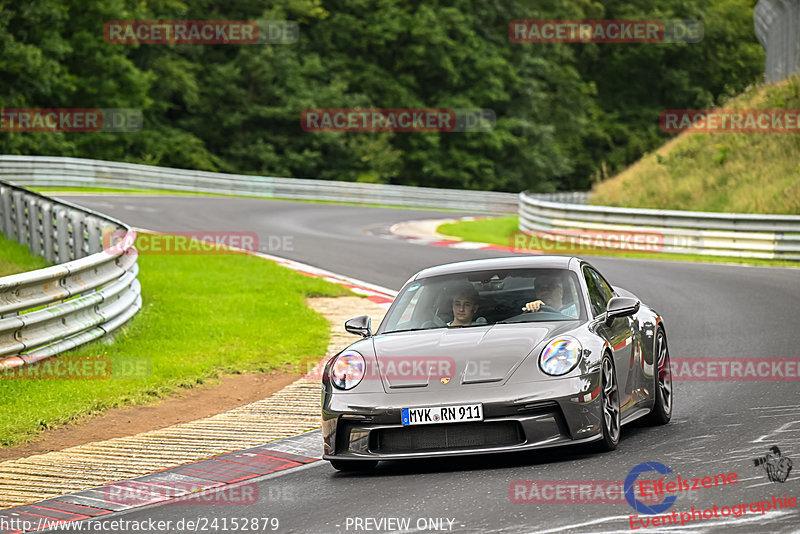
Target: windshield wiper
[539,320]
[437,327]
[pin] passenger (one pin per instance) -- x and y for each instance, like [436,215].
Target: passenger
[550,293]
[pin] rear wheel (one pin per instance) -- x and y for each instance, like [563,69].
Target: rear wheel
[662,409]
[353,465]
[610,402]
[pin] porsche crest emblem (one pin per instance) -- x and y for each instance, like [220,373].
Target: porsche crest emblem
[445,380]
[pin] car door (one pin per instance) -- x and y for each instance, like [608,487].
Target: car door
[619,335]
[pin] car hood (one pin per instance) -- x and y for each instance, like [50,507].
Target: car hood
[447,357]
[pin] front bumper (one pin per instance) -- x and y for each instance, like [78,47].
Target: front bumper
[564,412]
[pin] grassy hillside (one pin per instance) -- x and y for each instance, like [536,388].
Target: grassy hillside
[746,172]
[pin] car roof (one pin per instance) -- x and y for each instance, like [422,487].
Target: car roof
[513,262]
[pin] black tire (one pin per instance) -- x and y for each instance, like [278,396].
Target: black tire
[349,466]
[609,398]
[663,392]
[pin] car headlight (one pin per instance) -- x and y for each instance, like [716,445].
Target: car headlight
[347,370]
[560,356]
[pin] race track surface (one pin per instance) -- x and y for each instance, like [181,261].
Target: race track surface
[711,310]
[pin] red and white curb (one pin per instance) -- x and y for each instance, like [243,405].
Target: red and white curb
[377,294]
[423,232]
[217,480]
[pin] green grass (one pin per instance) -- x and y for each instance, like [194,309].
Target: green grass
[201,316]
[746,173]
[501,231]
[497,231]
[175,192]
[16,258]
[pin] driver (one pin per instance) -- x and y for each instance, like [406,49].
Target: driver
[550,293]
[465,304]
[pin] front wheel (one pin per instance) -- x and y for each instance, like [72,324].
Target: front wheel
[662,409]
[610,401]
[353,465]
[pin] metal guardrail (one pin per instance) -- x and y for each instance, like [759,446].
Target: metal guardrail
[65,172]
[777,26]
[90,293]
[676,232]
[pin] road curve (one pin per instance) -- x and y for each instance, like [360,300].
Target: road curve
[717,427]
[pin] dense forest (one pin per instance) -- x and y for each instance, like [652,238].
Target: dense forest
[565,113]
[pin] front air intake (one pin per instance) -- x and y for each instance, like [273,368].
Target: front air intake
[446,436]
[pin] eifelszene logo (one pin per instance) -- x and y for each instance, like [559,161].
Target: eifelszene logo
[650,488]
[639,506]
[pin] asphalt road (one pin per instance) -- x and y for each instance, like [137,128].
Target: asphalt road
[717,427]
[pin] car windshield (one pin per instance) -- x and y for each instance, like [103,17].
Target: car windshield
[485,298]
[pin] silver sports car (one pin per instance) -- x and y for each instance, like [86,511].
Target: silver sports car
[496,355]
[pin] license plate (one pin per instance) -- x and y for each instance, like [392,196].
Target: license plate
[442,414]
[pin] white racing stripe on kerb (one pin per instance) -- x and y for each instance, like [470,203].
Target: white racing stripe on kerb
[306,444]
[296,265]
[468,245]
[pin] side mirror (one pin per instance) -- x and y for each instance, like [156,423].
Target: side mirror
[620,307]
[360,326]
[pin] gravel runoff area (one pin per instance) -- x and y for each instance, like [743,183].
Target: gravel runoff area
[288,412]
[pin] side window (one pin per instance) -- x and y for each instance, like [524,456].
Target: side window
[405,309]
[410,307]
[604,287]
[599,291]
